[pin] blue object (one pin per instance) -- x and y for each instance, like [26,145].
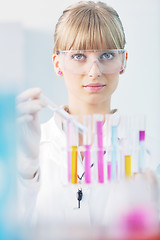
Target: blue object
[8,146]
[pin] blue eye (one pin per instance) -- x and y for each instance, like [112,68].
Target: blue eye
[79,57]
[107,56]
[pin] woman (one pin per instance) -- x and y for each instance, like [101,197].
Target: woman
[89,53]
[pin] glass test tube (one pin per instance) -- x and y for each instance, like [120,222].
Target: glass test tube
[99,120]
[74,165]
[123,143]
[108,143]
[126,145]
[74,146]
[68,136]
[139,127]
[87,121]
[128,166]
[114,153]
[65,115]
[109,171]
[141,159]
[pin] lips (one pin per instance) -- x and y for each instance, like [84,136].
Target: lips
[94,87]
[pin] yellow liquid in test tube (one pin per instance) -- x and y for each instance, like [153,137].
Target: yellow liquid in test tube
[128,166]
[74,165]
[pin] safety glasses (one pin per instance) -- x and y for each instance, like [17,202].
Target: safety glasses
[106,61]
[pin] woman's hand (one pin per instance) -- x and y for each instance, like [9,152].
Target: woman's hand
[28,106]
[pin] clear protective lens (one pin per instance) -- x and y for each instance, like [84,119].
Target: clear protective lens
[106,61]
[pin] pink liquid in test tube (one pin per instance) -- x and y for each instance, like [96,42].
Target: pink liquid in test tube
[100,152]
[109,171]
[87,164]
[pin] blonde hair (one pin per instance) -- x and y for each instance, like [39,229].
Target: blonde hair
[89,25]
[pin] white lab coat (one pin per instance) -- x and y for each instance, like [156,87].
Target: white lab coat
[48,197]
[57,200]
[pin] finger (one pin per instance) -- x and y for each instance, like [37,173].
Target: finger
[30,107]
[31,93]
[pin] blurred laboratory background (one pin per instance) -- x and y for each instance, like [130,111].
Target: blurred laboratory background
[139,87]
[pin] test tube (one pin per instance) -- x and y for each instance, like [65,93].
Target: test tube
[109,171]
[68,138]
[126,144]
[141,159]
[128,166]
[55,108]
[87,121]
[99,120]
[74,165]
[74,146]
[114,153]
[141,126]
[107,143]
[123,134]
[87,160]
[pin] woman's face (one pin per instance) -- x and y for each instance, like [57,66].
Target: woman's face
[89,82]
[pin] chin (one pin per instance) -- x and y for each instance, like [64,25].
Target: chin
[94,100]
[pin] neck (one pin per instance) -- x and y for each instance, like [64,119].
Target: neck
[80,108]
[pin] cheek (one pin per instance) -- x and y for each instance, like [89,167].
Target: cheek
[72,82]
[112,80]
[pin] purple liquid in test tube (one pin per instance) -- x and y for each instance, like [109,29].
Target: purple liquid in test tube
[141,135]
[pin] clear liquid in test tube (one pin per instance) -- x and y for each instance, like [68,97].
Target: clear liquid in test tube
[114,149]
[65,115]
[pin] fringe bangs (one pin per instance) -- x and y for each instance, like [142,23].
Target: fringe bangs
[89,29]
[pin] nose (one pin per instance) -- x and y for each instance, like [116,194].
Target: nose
[94,71]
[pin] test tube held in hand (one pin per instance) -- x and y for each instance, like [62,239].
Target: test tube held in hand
[55,108]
